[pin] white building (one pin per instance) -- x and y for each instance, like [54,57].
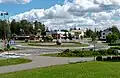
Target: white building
[75,33]
[104,34]
[78,33]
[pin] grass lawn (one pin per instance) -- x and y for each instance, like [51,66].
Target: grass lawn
[51,54]
[13,61]
[80,70]
[74,45]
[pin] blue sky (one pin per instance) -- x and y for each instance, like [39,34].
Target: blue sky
[34,4]
[72,13]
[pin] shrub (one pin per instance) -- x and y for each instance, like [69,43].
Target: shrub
[6,49]
[119,58]
[79,53]
[99,58]
[103,52]
[108,59]
[13,48]
[76,51]
[118,48]
[96,54]
[115,52]
[114,58]
[104,59]
[118,44]
[1,50]
[49,38]
[67,50]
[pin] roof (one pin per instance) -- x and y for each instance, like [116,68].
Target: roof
[107,30]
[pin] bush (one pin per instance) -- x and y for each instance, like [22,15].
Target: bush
[1,50]
[115,52]
[108,59]
[48,38]
[6,49]
[119,58]
[99,58]
[114,58]
[118,44]
[118,48]
[13,48]
[79,53]
[67,50]
[104,59]
[103,52]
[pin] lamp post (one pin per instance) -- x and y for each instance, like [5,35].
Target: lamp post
[95,45]
[4,35]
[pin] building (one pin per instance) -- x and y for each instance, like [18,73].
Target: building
[78,33]
[75,33]
[57,34]
[104,34]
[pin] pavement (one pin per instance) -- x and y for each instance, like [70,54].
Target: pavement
[41,61]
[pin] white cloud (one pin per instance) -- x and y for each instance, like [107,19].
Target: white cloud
[15,1]
[76,13]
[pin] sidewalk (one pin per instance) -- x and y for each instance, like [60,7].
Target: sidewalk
[41,61]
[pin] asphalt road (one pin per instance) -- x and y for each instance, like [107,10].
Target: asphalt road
[38,51]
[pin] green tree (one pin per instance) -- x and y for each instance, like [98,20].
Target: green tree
[112,38]
[89,33]
[115,37]
[5,29]
[15,27]
[93,37]
[1,28]
[26,26]
[109,38]
[39,26]
[115,30]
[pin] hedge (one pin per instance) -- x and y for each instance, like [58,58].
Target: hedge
[79,53]
[113,58]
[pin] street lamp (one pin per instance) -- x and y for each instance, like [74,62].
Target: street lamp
[94,44]
[4,35]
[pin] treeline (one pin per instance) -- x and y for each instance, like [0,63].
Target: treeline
[22,27]
[96,34]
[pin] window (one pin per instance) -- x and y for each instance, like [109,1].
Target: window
[103,36]
[103,33]
[110,33]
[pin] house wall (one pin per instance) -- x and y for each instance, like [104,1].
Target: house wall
[78,33]
[104,34]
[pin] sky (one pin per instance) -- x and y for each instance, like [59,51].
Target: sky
[65,14]
[16,8]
